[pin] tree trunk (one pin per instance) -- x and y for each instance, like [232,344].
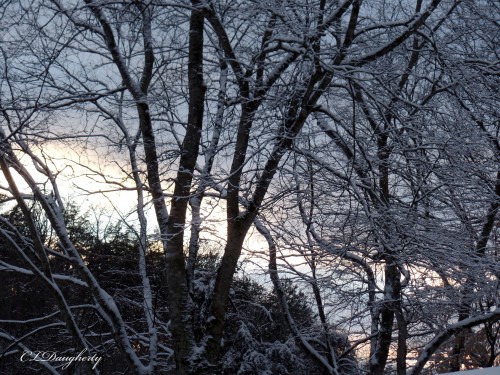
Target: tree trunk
[180,304]
[392,294]
[237,231]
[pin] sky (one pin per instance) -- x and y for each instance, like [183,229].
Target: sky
[80,179]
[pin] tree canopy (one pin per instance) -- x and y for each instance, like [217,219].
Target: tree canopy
[355,143]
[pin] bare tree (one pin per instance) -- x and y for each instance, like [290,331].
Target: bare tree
[326,125]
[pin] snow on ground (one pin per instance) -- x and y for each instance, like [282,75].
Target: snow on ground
[485,371]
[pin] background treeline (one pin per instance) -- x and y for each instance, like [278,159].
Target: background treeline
[257,339]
